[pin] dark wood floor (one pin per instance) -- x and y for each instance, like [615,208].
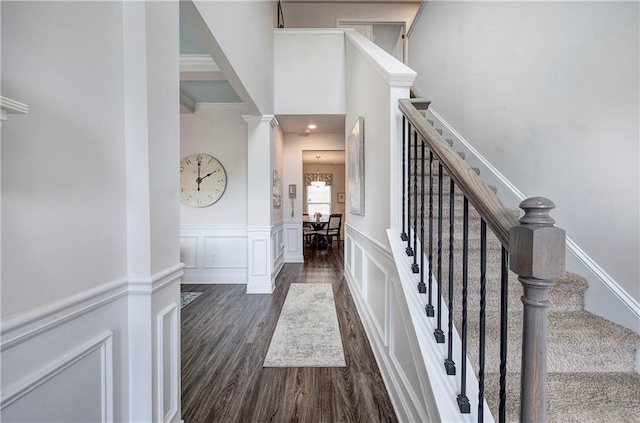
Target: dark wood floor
[225,337]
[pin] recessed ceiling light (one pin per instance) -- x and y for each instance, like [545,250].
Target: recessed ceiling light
[312,126]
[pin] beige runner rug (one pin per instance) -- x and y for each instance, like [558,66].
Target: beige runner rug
[307,333]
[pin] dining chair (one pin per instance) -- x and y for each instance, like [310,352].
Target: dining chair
[333,228]
[307,229]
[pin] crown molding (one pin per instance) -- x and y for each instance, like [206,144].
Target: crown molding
[261,119]
[187,105]
[197,63]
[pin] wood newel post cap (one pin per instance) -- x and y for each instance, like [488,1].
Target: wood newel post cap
[537,247]
[536,211]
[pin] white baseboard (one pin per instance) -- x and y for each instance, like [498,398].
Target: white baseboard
[605,297]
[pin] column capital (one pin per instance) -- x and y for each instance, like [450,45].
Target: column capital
[271,119]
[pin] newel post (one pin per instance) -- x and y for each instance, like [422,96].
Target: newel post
[537,251]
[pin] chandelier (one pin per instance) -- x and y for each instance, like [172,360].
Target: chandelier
[318,182]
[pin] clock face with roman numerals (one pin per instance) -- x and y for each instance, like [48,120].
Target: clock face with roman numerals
[202,180]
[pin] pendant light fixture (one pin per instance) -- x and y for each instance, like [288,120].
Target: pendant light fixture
[318,182]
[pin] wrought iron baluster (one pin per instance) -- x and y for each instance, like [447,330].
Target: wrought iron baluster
[504,282]
[422,288]
[414,266]
[403,235]
[449,364]
[409,250]
[483,306]
[429,307]
[438,333]
[463,401]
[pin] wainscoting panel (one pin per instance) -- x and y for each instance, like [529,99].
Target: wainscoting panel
[166,350]
[277,249]
[87,374]
[377,296]
[259,250]
[65,361]
[214,255]
[167,345]
[221,252]
[189,251]
[293,242]
[400,349]
[75,360]
[261,259]
[357,267]
[373,280]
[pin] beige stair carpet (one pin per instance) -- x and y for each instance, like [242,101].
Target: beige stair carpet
[590,360]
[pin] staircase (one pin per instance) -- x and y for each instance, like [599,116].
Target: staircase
[590,361]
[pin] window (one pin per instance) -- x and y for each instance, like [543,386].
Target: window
[319,200]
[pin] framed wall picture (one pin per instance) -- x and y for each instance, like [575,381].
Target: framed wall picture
[341,197]
[355,168]
[277,190]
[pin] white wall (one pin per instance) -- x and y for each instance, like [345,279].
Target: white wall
[388,37]
[548,93]
[324,15]
[164,135]
[240,40]
[370,95]
[309,72]
[277,214]
[63,173]
[90,321]
[218,130]
[213,240]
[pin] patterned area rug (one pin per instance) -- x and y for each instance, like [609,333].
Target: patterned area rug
[187,297]
[307,333]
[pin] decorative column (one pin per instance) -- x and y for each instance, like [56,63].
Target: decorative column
[537,250]
[260,249]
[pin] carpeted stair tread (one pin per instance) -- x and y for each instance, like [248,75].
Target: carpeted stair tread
[577,342]
[458,212]
[436,187]
[566,295]
[474,239]
[575,397]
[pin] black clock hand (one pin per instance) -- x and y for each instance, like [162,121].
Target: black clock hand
[207,175]
[198,179]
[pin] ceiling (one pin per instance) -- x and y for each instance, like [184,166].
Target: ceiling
[326,156]
[326,124]
[201,84]
[209,91]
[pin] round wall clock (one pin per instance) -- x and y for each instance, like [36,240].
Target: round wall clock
[202,180]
